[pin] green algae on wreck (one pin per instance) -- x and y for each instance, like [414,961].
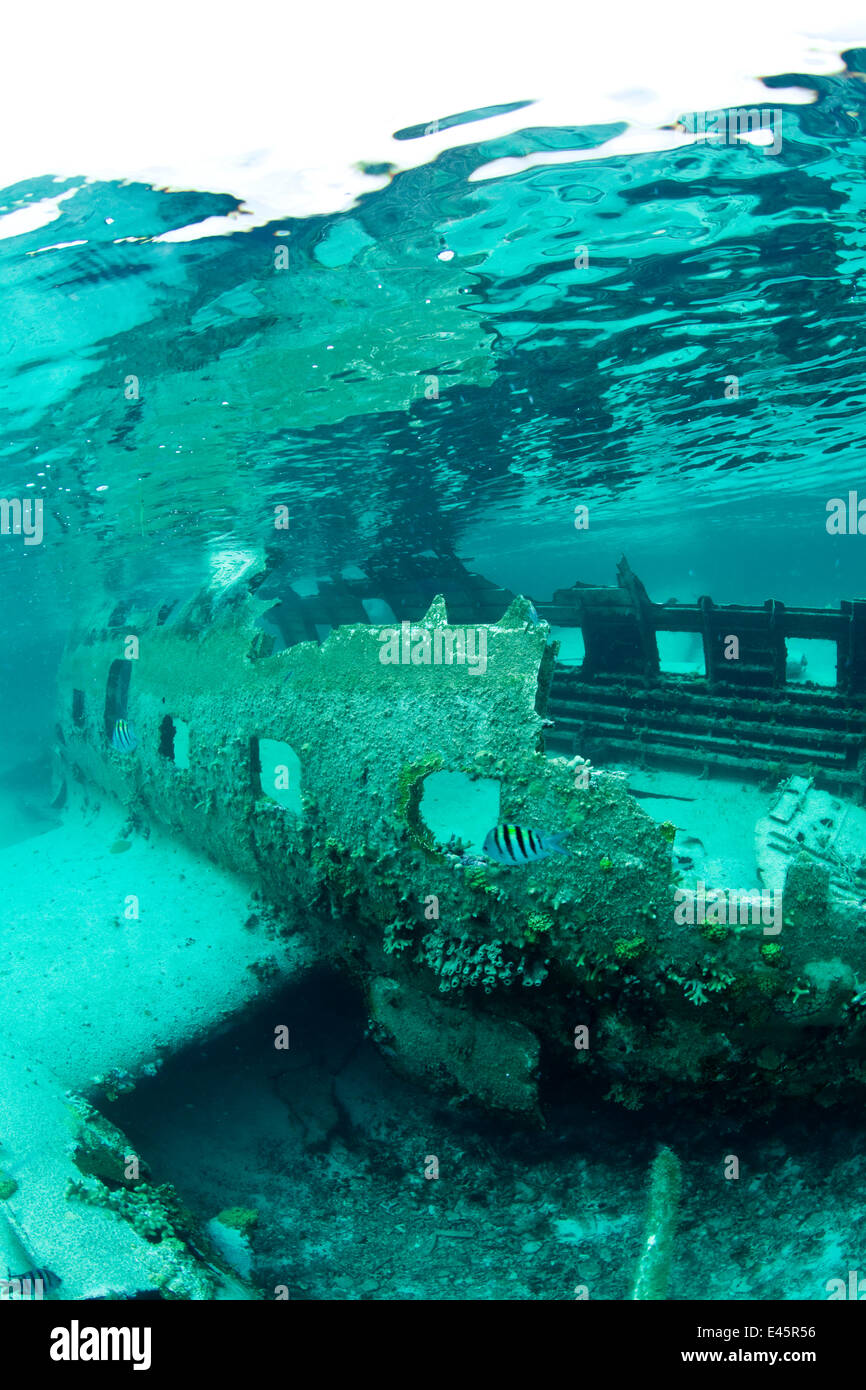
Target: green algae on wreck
[8,1186]
[543,942]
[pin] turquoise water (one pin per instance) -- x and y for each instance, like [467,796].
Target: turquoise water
[306,385]
[428,383]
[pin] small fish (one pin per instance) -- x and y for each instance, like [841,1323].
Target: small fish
[123,738]
[692,841]
[50,1280]
[514,844]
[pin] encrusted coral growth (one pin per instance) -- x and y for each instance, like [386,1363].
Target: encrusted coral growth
[191,1269]
[398,937]
[653,1272]
[155,1212]
[116,1082]
[454,1048]
[8,1186]
[478,879]
[537,924]
[243,1219]
[461,962]
[410,790]
[100,1149]
[630,949]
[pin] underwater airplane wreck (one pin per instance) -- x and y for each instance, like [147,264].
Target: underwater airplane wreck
[390,789]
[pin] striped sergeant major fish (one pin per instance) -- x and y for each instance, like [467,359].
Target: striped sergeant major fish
[123,738]
[31,1284]
[515,844]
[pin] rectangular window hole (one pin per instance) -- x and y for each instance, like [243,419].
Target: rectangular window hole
[280,774]
[255,765]
[174,741]
[811,659]
[681,653]
[116,694]
[572,648]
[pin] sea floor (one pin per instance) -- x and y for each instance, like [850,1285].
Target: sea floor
[115,951]
[715,820]
[331,1148]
